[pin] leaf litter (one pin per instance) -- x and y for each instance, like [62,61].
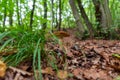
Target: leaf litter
[84,59]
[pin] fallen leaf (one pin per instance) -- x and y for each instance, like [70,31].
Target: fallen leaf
[96,74]
[116,55]
[115,63]
[2,68]
[76,71]
[48,70]
[69,54]
[98,50]
[62,74]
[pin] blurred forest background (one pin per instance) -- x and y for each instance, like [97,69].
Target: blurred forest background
[95,18]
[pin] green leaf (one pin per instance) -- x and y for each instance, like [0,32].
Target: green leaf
[6,43]
[116,55]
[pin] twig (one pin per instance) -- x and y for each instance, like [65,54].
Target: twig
[20,71]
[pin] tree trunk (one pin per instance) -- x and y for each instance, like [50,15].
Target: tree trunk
[52,3]
[98,13]
[5,14]
[60,12]
[11,12]
[102,13]
[18,14]
[107,12]
[11,19]
[45,14]
[32,13]
[85,17]
[76,15]
[56,18]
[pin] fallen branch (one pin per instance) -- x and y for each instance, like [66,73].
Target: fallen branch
[20,71]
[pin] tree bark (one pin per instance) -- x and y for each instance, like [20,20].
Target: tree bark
[98,12]
[60,12]
[11,10]
[52,3]
[32,13]
[102,13]
[56,18]
[76,15]
[5,13]
[107,12]
[45,14]
[18,14]
[85,17]
[10,19]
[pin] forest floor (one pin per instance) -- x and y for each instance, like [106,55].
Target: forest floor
[85,60]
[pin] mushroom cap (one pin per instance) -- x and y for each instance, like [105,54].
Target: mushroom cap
[61,34]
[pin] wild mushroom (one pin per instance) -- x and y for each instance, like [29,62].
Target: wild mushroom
[61,34]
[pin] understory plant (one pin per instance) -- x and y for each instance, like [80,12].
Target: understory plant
[18,45]
[25,45]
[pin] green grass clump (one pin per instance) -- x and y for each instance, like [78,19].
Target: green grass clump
[29,45]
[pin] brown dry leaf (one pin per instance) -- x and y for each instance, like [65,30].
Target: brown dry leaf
[74,61]
[48,70]
[96,74]
[115,63]
[98,50]
[62,74]
[3,68]
[69,53]
[76,71]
